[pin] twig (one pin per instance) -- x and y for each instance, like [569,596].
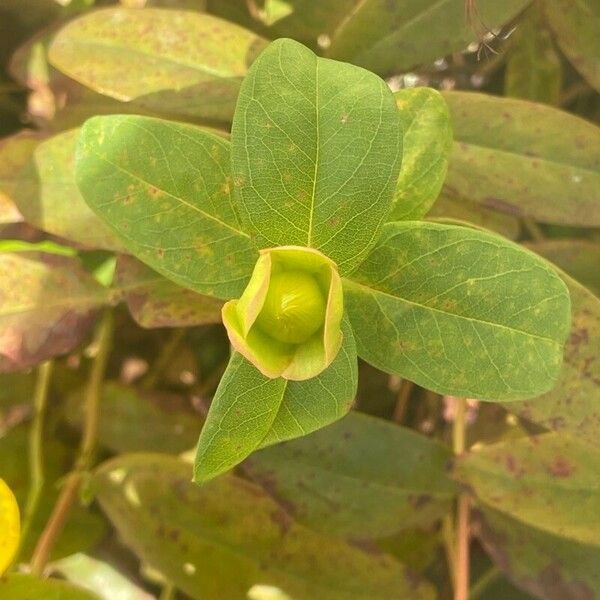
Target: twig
[87,447]
[164,358]
[406,388]
[36,433]
[461,589]
[484,582]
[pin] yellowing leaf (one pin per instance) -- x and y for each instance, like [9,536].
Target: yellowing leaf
[10,526]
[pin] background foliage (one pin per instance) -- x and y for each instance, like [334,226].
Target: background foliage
[361,509]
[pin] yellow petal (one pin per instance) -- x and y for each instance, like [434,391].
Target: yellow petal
[10,526]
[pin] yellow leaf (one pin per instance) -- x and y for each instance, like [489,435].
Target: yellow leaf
[9,526]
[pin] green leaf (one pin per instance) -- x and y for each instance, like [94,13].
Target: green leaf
[576,26]
[137,420]
[572,406]
[533,69]
[360,478]
[28,587]
[48,198]
[548,481]
[459,311]
[165,188]
[315,153]
[250,410]
[154,301]
[525,159]
[578,257]
[48,304]
[425,121]
[219,540]
[546,565]
[170,61]
[99,577]
[14,154]
[388,37]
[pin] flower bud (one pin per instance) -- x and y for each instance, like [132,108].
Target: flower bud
[287,321]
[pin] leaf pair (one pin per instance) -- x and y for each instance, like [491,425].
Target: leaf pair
[315,162]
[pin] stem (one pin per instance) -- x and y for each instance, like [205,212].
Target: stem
[461,578]
[448,536]
[36,433]
[167,592]
[533,229]
[164,358]
[406,388]
[484,582]
[87,446]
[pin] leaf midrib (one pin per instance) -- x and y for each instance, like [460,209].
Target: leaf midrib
[373,290]
[171,195]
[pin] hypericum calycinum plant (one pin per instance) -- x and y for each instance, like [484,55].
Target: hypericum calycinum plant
[300,222]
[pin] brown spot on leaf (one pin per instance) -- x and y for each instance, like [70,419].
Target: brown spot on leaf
[560,467]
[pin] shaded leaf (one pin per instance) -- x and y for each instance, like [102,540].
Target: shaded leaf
[388,37]
[14,154]
[577,29]
[219,540]
[250,410]
[525,159]
[451,209]
[165,188]
[166,60]
[134,420]
[315,153]
[547,565]
[154,301]
[425,122]
[572,406]
[48,198]
[361,478]
[539,481]
[459,311]
[48,304]
[533,69]
[98,577]
[578,257]
[28,587]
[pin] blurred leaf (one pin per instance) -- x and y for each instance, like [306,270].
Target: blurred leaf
[359,478]
[577,29]
[98,577]
[459,210]
[459,311]
[84,528]
[28,587]
[383,36]
[573,405]
[48,198]
[425,122]
[533,68]
[135,420]
[388,37]
[315,151]
[549,481]
[14,154]
[157,302]
[580,258]
[250,410]
[218,540]
[48,305]
[166,60]
[525,159]
[546,565]
[166,189]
